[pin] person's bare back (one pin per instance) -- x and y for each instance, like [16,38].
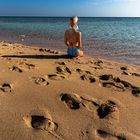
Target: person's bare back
[73,39]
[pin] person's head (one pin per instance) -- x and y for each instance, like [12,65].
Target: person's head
[73,21]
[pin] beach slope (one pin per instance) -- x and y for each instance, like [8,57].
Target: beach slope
[46,95]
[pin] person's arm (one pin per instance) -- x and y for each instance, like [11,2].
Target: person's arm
[65,39]
[79,40]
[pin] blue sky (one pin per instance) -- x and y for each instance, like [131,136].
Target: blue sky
[70,7]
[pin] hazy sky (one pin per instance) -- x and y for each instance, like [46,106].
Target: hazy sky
[70,7]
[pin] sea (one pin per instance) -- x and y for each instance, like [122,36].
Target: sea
[116,38]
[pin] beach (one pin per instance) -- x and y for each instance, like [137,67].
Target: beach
[46,95]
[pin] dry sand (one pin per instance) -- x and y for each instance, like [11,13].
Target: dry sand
[46,96]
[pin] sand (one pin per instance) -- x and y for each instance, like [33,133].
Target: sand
[45,95]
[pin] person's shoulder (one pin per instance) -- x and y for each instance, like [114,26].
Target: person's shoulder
[79,33]
[66,32]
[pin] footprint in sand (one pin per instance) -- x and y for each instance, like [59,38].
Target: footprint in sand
[112,134]
[104,110]
[124,68]
[48,50]
[106,77]
[108,109]
[98,63]
[20,53]
[135,74]
[54,52]
[109,129]
[30,66]
[56,77]
[125,72]
[136,92]
[113,85]
[61,63]
[72,101]
[108,117]
[27,65]
[5,45]
[130,74]
[80,71]
[16,69]
[101,134]
[124,83]
[40,81]
[61,73]
[43,123]
[5,88]
[63,70]
[118,84]
[86,75]
[43,50]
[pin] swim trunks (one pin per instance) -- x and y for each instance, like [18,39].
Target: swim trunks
[72,51]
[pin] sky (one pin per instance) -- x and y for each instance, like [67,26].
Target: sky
[84,8]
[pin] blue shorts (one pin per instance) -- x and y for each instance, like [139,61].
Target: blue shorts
[72,52]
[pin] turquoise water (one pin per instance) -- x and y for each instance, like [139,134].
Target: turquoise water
[117,38]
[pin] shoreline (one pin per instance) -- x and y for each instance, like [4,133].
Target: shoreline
[62,50]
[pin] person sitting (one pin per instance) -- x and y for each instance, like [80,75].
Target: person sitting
[73,39]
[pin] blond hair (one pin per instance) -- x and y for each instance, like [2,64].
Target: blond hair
[74,20]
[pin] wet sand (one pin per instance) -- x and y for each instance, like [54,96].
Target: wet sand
[46,95]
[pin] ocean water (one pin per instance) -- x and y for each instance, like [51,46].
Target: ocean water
[115,38]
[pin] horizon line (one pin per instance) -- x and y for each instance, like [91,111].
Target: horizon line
[70,16]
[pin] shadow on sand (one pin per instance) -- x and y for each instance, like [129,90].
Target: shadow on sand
[38,56]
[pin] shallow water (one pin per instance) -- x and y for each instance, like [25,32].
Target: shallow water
[117,38]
